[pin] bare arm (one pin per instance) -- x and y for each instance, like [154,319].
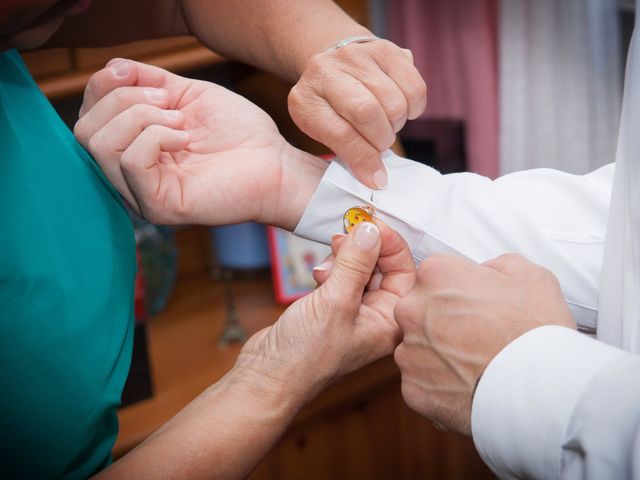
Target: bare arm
[222,434]
[275,35]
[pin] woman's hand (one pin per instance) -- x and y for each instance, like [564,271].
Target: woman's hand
[355,99]
[343,325]
[189,151]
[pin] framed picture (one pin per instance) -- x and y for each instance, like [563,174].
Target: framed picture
[292,262]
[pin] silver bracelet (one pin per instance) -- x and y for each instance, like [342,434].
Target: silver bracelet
[355,39]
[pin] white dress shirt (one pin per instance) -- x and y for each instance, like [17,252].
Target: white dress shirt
[554,403]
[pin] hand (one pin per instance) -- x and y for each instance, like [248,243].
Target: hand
[457,318]
[188,151]
[339,327]
[355,99]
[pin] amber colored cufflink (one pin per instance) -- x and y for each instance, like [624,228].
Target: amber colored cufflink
[357,215]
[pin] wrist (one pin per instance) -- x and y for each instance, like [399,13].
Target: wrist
[268,385]
[327,39]
[300,176]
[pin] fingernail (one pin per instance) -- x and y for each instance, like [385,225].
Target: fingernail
[380,179]
[155,94]
[335,236]
[120,68]
[366,236]
[173,114]
[324,266]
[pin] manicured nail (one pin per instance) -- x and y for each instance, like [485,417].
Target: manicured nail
[173,114]
[366,236]
[324,266]
[155,94]
[120,68]
[380,179]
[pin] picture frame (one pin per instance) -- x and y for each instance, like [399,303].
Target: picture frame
[292,261]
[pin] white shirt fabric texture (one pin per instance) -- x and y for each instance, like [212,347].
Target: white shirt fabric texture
[553,404]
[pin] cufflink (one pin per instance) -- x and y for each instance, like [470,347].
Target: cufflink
[357,215]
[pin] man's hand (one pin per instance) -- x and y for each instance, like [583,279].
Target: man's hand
[458,317]
[188,151]
[342,325]
[355,99]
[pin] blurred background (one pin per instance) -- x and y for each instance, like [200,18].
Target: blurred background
[513,84]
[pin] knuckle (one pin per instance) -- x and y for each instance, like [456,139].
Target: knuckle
[80,130]
[400,356]
[410,394]
[418,89]
[409,311]
[94,82]
[430,266]
[121,96]
[294,98]
[396,109]
[127,160]
[140,113]
[343,133]
[352,269]
[95,143]
[363,111]
[316,65]
[435,267]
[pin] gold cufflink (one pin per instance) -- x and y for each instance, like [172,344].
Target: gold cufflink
[356,215]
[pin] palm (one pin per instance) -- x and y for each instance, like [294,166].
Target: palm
[233,156]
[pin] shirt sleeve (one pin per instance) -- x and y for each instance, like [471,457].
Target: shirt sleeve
[555,219]
[556,404]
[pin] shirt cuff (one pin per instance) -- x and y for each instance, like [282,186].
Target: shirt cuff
[527,395]
[338,191]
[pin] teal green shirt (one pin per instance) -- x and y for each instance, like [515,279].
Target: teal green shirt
[67,267]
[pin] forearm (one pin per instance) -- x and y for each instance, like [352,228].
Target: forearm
[276,35]
[222,434]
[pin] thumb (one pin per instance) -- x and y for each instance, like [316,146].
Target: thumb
[354,263]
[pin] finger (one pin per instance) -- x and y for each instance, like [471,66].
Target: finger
[511,264]
[121,72]
[389,95]
[319,120]
[141,161]
[336,241]
[396,264]
[109,142]
[114,103]
[322,271]
[354,102]
[375,281]
[386,91]
[394,62]
[354,265]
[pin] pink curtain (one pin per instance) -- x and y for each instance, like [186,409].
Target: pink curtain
[454,43]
